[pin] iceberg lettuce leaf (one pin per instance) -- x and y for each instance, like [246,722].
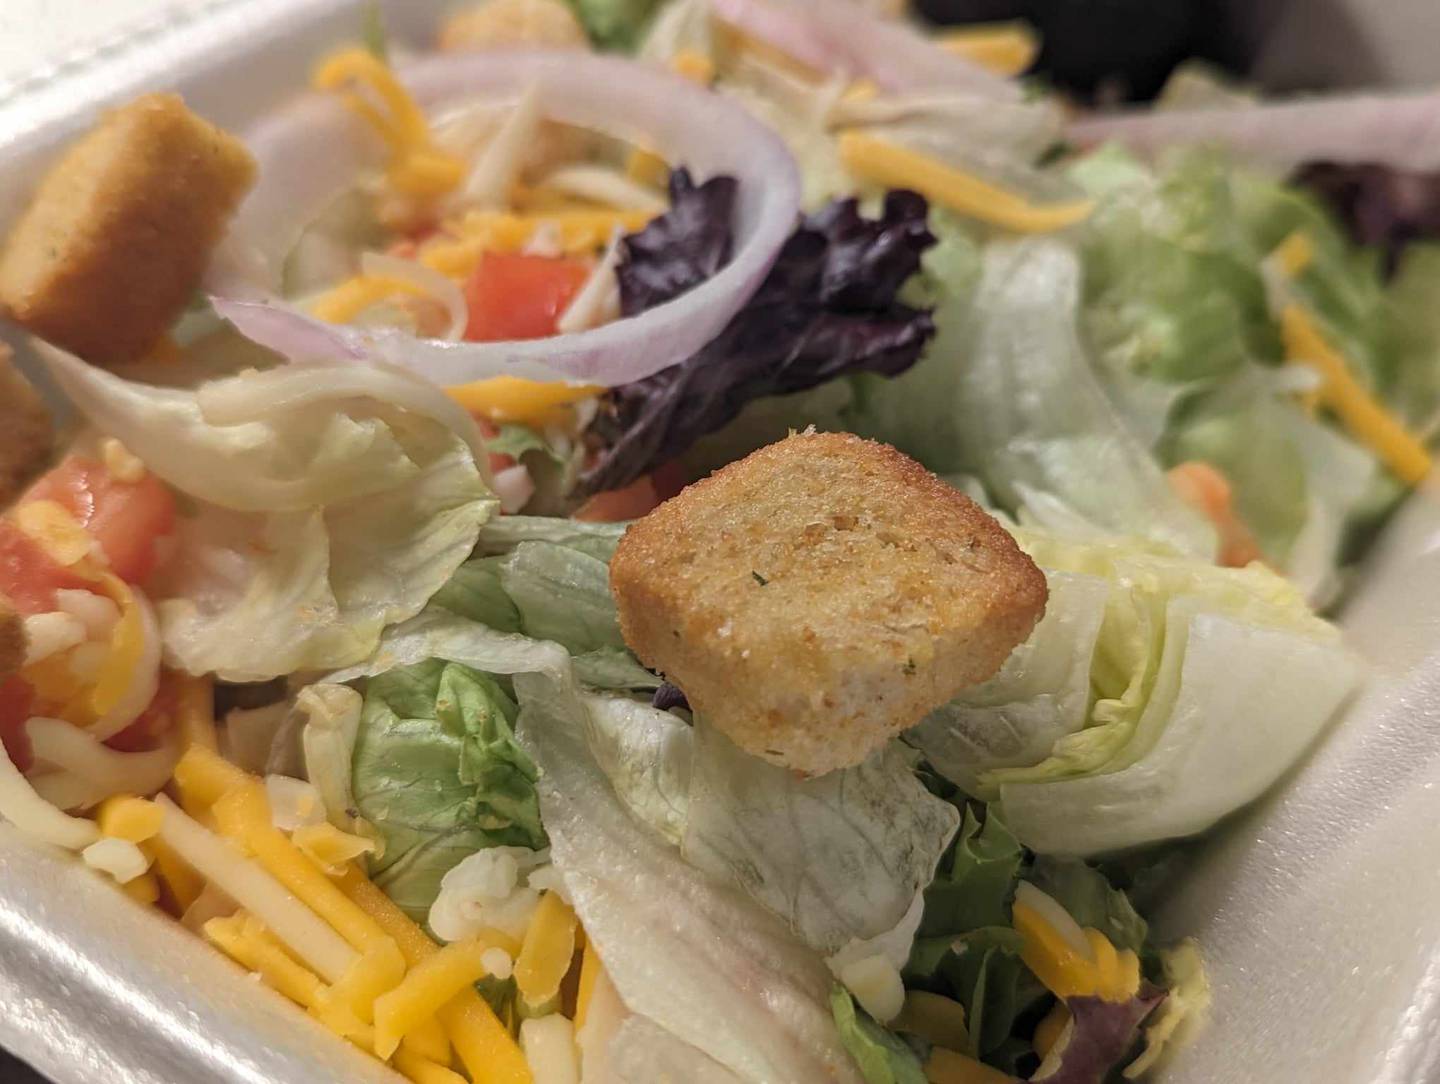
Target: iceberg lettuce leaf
[840,857]
[697,957]
[1041,693]
[324,503]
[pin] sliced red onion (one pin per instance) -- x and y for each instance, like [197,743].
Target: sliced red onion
[684,123]
[840,35]
[1401,130]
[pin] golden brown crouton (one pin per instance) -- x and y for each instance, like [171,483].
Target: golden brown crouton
[12,639]
[821,595]
[511,24]
[118,235]
[27,435]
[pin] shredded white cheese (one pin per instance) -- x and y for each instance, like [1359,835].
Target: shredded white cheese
[33,815]
[50,633]
[120,858]
[549,1046]
[488,888]
[303,932]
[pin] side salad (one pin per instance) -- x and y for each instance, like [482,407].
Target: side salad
[347,631]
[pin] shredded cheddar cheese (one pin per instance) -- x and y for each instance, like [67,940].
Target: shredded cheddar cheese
[429,1041]
[243,814]
[195,710]
[143,889]
[1047,1032]
[1112,975]
[693,65]
[424,1070]
[579,232]
[127,817]
[417,167]
[251,945]
[328,847]
[203,777]
[509,399]
[1003,48]
[547,950]
[1369,422]
[341,304]
[428,986]
[893,166]
[947,1067]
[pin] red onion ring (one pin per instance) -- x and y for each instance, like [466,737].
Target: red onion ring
[314,149]
[839,35]
[1401,130]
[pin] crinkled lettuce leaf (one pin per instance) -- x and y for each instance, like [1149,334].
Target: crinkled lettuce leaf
[975,881]
[1209,684]
[840,858]
[966,949]
[323,504]
[647,754]
[696,956]
[438,773]
[548,579]
[1041,693]
[883,1057]
[1191,665]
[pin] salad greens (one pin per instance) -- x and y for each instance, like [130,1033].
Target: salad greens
[1189,664]
[439,774]
[827,308]
[325,503]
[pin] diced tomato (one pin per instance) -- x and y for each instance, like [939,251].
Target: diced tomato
[28,577]
[669,479]
[639,498]
[514,296]
[498,461]
[153,723]
[126,518]
[16,698]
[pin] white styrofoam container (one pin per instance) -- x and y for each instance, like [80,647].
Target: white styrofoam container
[1318,910]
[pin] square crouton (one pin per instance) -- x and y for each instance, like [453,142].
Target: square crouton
[821,595]
[27,434]
[120,231]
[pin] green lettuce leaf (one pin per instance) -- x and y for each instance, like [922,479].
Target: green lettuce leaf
[322,504]
[438,773]
[1209,684]
[614,24]
[976,879]
[883,1057]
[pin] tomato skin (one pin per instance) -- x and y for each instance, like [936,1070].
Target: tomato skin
[28,577]
[639,498]
[126,518]
[514,296]
[16,698]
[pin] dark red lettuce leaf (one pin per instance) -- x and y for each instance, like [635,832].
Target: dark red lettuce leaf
[1103,1033]
[1382,207]
[681,248]
[827,308]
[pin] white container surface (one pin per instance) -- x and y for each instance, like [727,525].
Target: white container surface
[1318,911]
